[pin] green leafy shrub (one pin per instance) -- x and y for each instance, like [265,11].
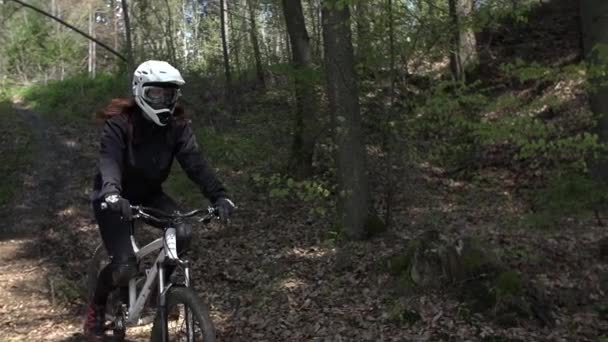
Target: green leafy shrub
[231,148]
[446,121]
[567,194]
[314,192]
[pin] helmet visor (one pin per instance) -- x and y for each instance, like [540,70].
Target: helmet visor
[160,97]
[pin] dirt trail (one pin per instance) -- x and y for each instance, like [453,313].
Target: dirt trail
[29,309]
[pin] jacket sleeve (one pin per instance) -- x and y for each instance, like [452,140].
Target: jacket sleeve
[190,158]
[113,144]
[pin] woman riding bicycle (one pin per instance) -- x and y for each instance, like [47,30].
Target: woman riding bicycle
[141,138]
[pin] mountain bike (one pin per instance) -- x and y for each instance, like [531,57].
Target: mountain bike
[180,314]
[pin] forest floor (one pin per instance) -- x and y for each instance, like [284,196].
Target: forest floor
[274,275]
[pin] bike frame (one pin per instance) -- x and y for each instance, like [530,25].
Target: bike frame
[137,301]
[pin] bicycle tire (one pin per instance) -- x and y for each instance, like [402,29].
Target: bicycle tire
[200,314]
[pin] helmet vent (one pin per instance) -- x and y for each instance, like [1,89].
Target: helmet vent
[163,72]
[144,72]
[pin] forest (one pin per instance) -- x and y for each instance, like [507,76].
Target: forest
[403,170]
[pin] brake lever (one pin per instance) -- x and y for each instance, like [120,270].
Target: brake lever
[206,219]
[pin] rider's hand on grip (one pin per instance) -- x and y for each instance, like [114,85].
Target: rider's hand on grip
[117,204]
[225,207]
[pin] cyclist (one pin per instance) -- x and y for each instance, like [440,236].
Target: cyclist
[140,139]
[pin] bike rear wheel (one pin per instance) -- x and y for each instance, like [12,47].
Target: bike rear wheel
[99,260]
[182,302]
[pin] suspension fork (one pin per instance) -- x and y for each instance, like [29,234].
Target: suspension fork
[187,315]
[162,307]
[185,265]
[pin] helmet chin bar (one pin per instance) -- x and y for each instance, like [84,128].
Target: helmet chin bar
[164,117]
[155,115]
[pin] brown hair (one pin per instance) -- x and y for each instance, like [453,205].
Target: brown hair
[128,107]
[117,106]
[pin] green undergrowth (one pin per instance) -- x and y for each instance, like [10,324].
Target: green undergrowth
[7,90]
[248,149]
[15,152]
[537,127]
[227,154]
[183,190]
[75,99]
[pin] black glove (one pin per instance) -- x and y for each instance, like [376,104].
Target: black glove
[117,204]
[225,207]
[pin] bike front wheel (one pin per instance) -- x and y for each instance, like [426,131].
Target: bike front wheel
[187,318]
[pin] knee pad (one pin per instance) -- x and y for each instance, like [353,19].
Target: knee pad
[123,272]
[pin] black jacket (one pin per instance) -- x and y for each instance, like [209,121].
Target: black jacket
[136,157]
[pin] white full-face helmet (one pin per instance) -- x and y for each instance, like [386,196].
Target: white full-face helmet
[156,90]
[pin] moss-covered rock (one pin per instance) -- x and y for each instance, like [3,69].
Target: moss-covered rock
[478,295]
[477,258]
[604,281]
[511,303]
[509,283]
[402,313]
[603,248]
[399,263]
[471,270]
[374,225]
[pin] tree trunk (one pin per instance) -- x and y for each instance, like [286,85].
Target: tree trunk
[169,38]
[92,51]
[184,29]
[363,30]
[256,47]
[343,93]
[316,39]
[287,45]
[114,23]
[306,111]
[594,19]
[235,44]
[195,25]
[129,47]
[388,134]
[225,49]
[463,53]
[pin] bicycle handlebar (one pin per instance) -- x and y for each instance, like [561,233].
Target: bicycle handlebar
[149,213]
[160,216]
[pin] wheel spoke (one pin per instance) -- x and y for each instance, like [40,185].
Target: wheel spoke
[182,325]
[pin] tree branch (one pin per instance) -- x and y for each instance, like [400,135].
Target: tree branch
[117,54]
